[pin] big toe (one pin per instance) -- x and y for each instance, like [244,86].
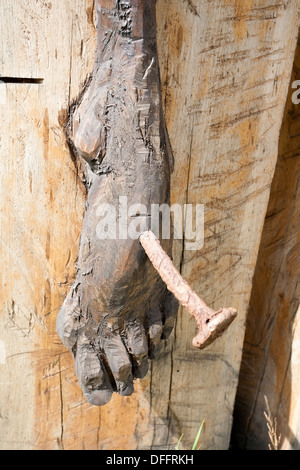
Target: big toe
[92,376]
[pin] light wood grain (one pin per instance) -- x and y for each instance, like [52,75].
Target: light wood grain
[225,68]
[227,72]
[41,209]
[270,365]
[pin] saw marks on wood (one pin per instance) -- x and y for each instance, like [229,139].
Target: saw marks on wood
[225,73]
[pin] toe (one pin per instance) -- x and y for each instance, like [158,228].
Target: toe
[92,376]
[68,320]
[155,329]
[137,346]
[119,362]
[170,310]
[98,397]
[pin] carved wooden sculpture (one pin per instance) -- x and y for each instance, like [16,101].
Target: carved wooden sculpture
[119,308]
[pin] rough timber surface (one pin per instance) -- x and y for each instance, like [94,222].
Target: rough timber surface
[270,365]
[225,68]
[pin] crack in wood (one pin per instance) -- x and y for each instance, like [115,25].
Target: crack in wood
[22,80]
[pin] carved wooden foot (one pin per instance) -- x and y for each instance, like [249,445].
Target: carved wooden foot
[119,309]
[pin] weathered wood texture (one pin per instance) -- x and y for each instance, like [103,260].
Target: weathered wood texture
[270,365]
[227,76]
[225,68]
[42,203]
